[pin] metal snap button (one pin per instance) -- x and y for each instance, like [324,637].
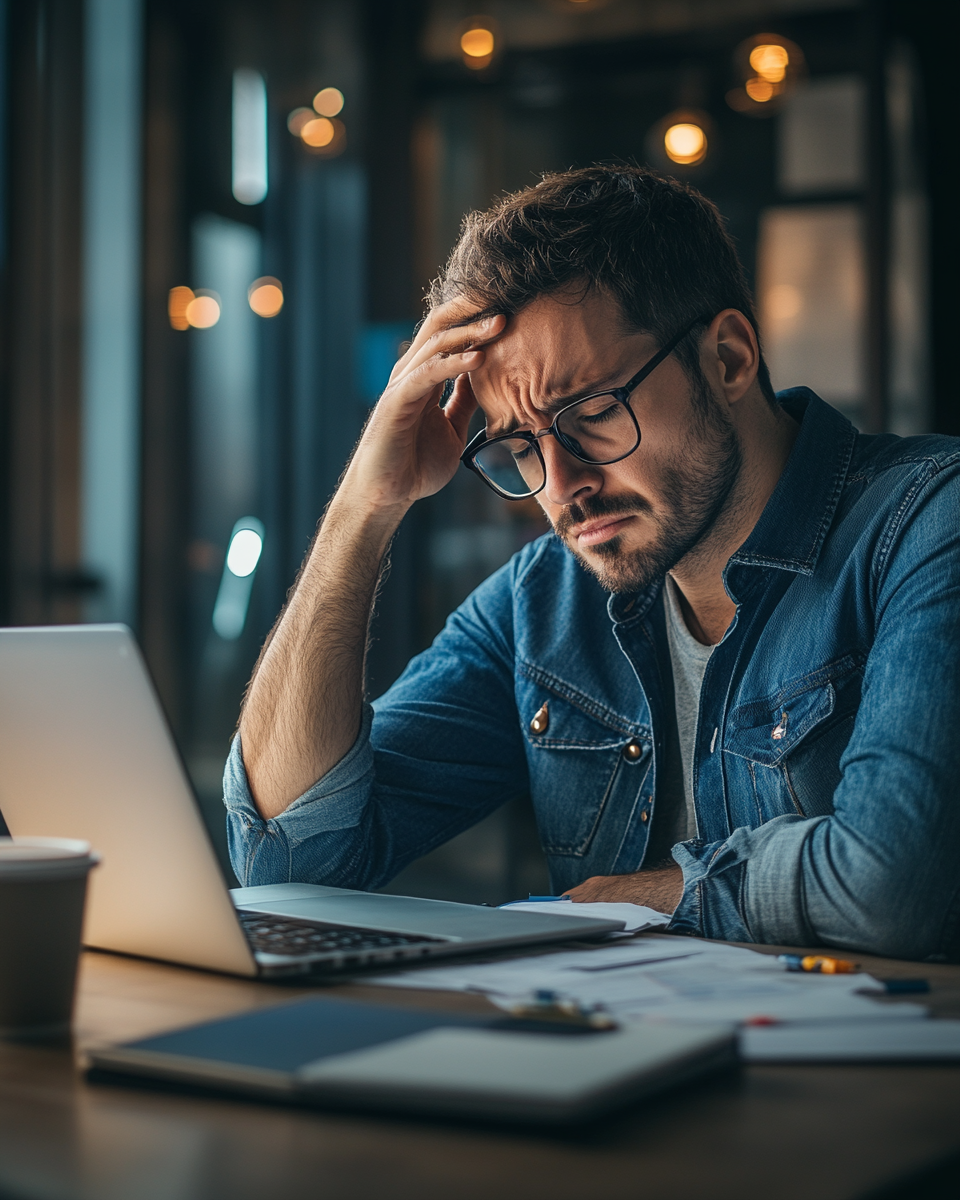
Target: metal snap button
[631,751]
[780,728]
[541,719]
[644,816]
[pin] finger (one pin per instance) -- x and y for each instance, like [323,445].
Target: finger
[438,318]
[408,396]
[461,406]
[449,340]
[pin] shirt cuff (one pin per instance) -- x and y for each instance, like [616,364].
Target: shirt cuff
[335,801]
[748,888]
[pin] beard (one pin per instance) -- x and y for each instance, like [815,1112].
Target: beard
[695,486]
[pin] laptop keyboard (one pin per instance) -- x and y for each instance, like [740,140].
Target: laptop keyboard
[280,935]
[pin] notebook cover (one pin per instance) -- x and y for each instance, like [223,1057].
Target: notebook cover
[324,1052]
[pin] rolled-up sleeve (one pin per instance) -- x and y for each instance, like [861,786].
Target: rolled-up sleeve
[879,874]
[266,851]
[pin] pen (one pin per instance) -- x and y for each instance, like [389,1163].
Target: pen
[818,963]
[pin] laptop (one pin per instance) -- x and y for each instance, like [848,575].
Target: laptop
[86,753]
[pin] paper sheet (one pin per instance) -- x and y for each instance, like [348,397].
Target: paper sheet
[664,978]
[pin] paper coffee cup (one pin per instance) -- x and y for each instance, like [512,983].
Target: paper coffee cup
[43,886]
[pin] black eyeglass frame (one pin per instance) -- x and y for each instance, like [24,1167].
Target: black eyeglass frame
[621,395]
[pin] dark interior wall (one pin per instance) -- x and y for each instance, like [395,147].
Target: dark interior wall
[927,28]
[165,474]
[41,579]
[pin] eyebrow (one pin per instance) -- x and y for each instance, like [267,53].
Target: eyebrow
[550,409]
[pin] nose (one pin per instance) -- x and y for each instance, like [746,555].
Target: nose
[568,478]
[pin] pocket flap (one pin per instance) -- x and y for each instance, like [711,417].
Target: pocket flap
[766,731]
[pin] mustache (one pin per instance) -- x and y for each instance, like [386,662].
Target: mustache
[597,506]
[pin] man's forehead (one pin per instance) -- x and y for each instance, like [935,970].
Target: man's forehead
[537,366]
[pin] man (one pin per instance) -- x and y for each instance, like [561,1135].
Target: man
[728,678]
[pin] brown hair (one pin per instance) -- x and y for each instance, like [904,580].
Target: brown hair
[656,245]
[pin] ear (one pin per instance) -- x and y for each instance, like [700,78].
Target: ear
[734,353]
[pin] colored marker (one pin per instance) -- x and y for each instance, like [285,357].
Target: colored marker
[818,963]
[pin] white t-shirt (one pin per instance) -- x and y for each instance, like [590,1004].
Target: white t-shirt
[689,659]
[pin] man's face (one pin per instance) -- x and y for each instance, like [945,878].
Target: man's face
[630,521]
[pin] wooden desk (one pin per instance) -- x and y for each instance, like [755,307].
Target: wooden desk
[778,1132]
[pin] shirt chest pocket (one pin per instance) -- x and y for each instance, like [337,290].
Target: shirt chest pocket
[584,772]
[791,745]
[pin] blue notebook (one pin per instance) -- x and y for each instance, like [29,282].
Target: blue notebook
[349,1055]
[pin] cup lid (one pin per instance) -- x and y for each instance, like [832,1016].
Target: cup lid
[21,856]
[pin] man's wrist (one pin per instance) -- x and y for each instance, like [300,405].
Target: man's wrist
[661,889]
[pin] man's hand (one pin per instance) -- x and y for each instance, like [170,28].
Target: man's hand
[660,889]
[411,446]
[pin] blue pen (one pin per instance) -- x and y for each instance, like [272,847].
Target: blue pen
[536,900]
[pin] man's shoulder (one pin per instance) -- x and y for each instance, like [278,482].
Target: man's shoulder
[887,459]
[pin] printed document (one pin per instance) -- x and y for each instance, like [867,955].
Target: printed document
[663,978]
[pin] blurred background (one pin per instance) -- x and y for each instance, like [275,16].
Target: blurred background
[217,221]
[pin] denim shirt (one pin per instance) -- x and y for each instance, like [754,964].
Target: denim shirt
[827,758]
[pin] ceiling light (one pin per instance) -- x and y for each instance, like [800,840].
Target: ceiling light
[177,303]
[265,296]
[319,132]
[685,143]
[328,101]
[203,311]
[770,62]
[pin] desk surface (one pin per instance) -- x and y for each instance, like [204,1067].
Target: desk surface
[769,1131]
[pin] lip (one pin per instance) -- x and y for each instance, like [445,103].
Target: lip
[592,533]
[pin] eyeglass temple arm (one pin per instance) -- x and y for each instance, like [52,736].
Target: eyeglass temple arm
[661,354]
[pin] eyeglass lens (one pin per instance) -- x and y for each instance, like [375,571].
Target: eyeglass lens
[600,429]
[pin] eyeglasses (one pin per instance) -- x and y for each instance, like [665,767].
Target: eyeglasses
[600,429]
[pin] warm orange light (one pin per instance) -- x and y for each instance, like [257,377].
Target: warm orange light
[265,296]
[477,43]
[761,90]
[298,118]
[318,132]
[203,311]
[770,62]
[328,101]
[177,303]
[685,143]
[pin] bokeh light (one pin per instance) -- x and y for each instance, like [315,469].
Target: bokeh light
[770,62]
[177,303]
[478,43]
[203,311]
[244,552]
[770,67]
[298,118]
[265,296]
[328,101]
[319,132]
[760,90]
[685,143]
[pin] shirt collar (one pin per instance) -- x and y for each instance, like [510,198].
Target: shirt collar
[794,523]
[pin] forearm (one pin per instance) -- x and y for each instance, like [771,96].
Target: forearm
[303,706]
[302,712]
[660,888]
